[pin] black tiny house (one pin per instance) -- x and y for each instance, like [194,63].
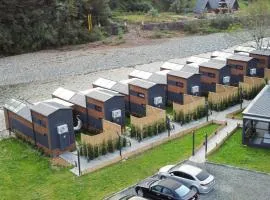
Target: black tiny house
[48,125]
[144,93]
[104,104]
[214,72]
[243,66]
[180,83]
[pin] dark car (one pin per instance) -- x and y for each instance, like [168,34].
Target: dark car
[165,189]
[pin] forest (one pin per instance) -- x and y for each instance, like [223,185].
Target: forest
[31,25]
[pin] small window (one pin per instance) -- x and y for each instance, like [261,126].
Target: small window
[141,95]
[211,75]
[98,108]
[179,84]
[239,67]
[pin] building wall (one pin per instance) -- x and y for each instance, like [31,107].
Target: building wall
[176,88]
[138,100]
[158,90]
[95,113]
[264,61]
[112,104]
[209,79]
[194,80]
[20,124]
[41,129]
[65,140]
[238,71]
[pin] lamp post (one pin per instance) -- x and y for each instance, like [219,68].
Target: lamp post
[241,97]
[168,124]
[207,110]
[206,144]
[79,160]
[193,143]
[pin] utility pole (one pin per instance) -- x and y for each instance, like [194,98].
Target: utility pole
[206,145]
[79,160]
[120,145]
[207,110]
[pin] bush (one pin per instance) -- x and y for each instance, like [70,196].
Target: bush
[110,146]
[104,148]
[96,151]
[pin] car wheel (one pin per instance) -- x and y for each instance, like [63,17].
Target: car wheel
[195,189]
[140,192]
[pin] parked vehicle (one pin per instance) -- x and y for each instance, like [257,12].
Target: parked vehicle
[132,197]
[193,177]
[167,189]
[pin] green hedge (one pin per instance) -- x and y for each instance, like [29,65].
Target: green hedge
[147,131]
[225,103]
[198,113]
[91,152]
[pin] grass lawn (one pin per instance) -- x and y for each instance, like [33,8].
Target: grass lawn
[137,18]
[24,174]
[236,154]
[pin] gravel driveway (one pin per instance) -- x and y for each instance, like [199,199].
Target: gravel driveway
[53,64]
[231,184]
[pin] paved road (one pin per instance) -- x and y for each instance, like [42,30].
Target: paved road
[50,65]
[231,184]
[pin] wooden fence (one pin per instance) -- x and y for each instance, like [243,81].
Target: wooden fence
[110,131]
[190,104]
[223,93]
[250,83]
[267,73]
[153,115]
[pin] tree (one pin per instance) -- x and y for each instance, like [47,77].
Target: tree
[258,13]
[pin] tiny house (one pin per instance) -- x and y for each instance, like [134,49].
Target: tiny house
[48,125]
[263,57]
[243,49]
[214,72]
[196,59]
[104,104]
[180,83]
[144,93]
[78,101]
[171,66]
[243,66]
[119,87]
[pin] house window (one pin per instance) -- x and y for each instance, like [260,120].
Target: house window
[212,75]
[98,108]
[239,67]
[141,95]
[179,84]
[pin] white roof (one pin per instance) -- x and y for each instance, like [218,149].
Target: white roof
[163,72]
[196,65]
[127,81]
[242,53]
[172,66]
[106,83]
[244,49]
[221,54]
[15,105]
[60,101]
[64,93]
[140,74]
[190,169]
[220,58]
[195,59]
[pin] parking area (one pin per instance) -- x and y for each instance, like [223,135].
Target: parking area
[231,184]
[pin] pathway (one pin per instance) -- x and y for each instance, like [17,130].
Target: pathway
[111,158]
[199,156]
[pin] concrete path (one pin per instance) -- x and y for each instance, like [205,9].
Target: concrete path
[71,157]
[200,157]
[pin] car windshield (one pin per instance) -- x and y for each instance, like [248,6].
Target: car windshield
[182,191]
[202,176]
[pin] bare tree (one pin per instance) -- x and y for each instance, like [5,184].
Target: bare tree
[257,21]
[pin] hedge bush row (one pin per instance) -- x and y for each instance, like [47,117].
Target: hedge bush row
[225,103]
[147,131]
[198,113]
[253,92]
[91,152]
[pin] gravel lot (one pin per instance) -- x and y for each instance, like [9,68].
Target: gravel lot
[35,76]
[231,184]
[53,64]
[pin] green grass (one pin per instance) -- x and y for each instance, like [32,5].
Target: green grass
[25,174]
[137,18]
[236,154]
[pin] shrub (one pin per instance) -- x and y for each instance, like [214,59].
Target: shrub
[110,146]
[103,148]
[96,151]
